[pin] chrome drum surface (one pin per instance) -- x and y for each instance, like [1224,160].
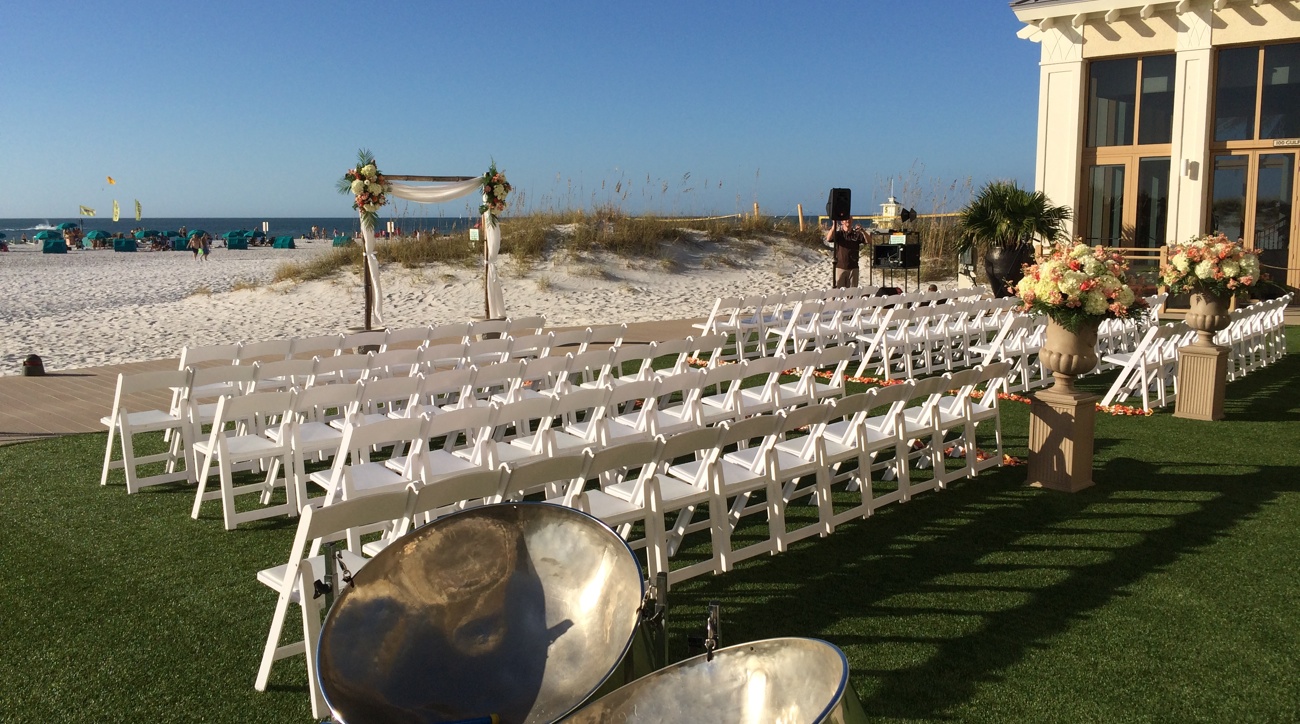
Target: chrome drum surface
[519,610]
[786,681]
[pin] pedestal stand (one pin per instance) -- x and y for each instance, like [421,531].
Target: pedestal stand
[1202,375]
[1061,433]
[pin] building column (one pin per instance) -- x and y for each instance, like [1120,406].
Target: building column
[1060,115]
[1189,150]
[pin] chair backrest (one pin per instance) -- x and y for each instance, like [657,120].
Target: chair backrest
[328,521]
[497,378]
[531,345]
[454,332]
[369,338]
[221,380]
[532,474]
[336,368]
[517,326]
[690,442]
[191,356]
[408,336]
[391,395]
[453,489]
[254,412]
[325,402]
[488,351]
[282,373]
[608,335]
[326,345]
[394,362]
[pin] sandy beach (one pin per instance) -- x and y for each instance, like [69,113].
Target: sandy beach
[91,308]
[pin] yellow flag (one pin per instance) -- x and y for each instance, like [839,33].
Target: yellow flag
[111,181]
[137,209]
[116,213]
[87,211]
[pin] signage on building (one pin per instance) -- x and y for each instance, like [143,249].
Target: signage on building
[1286,143]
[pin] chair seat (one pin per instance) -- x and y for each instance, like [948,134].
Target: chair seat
[612,509]
[274,577]
[365,478]
[244,446]
[146,420]
[732,475]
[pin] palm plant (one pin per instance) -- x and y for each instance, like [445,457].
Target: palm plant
[1007,216]
[1002,221]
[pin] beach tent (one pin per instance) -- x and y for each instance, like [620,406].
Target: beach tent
[236,234]
[236,241]
[342,240]
[283,242]
[54,246]
[146,234]
[124,245]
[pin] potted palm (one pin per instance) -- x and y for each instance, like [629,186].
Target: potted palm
[1001,222]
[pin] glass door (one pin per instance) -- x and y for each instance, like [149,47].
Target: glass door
[1253,194]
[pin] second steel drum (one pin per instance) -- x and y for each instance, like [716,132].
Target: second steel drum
[519,610]
[774,681]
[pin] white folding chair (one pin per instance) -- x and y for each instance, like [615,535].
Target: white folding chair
[131,416]
[737,475]
[248,416]
[295,580]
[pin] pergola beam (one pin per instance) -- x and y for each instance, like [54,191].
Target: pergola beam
[1079,20]
[1112,15]
[395,177]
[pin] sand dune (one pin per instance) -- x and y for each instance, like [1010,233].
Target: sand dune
[92,308]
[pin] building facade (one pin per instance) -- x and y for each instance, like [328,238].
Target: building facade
[1159,121]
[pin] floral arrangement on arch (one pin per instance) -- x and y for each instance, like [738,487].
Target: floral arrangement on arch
[495,190]
[1078,283]
[367,185]
[1213,263]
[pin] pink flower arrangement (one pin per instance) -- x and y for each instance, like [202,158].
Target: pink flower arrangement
[1211,263]
[367,185]
[495,191]
[1078,283]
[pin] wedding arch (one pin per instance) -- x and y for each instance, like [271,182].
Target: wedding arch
[372,191]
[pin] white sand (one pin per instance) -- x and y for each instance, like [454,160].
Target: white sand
[90,308]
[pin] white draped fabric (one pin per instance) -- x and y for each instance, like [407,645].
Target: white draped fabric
[432,195]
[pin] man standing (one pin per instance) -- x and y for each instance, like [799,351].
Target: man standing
[847,239]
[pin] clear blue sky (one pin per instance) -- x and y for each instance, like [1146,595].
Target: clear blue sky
[239,108]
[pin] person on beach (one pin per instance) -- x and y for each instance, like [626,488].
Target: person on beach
[847,238]
[195,246]
[205,247]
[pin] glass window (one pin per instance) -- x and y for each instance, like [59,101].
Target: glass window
[1234,94]
[1152,202]
[1111,93]
[1156,119]
[1227,212]
[1106,205]
[1279,111]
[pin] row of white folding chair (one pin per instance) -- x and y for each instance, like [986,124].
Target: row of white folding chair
[1255,336]
[1018,341]
[1150,369]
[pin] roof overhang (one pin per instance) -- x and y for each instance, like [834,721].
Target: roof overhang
[1044,14]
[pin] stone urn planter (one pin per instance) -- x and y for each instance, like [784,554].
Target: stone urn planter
[1207,313]
[1069,354]
[1004,267]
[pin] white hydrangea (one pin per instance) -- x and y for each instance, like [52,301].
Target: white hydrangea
[1094,302]
[1071,281]
[1126,297]
[369,170]
[1230,268]
[1181,263]
[1204,269]
[358,186]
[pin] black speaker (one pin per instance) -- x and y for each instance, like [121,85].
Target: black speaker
[897,256]
[907,215]
[837,206]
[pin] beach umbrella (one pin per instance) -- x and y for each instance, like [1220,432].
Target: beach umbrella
[239,234]
[197,232]
[98,234]
[171,234]
[2,235]
[46,235]
[67,225]
[147,233]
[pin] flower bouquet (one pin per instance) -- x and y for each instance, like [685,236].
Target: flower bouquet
[1211,264]
[1077,283]
[368,185]
[495,190]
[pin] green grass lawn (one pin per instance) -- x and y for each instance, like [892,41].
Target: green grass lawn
[1167,592]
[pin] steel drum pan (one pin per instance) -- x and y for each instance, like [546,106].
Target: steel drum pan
[788,680]
[519,610]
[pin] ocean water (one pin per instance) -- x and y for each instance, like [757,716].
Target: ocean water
[14,229]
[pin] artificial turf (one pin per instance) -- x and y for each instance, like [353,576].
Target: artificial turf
[1164,593]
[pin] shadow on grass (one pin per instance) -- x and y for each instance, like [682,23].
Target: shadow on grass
[936,598]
